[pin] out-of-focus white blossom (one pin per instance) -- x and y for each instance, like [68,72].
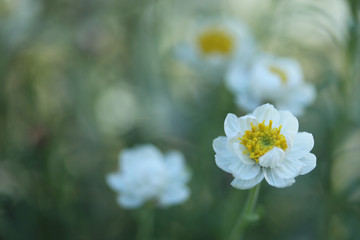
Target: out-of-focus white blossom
[270,79]
[146,174]
[16,19]
[211,45]
[111,106]
[264,144]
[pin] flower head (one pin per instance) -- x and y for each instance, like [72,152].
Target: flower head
[146,174]
[270,78]
[213,44]
[264,144]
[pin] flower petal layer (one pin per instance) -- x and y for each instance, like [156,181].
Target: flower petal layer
[238,150]
[289,168]
[129,201]
[175,166]
[272,158]
[116,182]
[275,180]
[244,171]
[267,112]
[246,184]
[174,195]
[303,143]
[310,163]
[223,157]
[289,122]
[245,123]
[231,125]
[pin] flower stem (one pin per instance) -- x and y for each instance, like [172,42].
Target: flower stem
[247,214]
[145,223]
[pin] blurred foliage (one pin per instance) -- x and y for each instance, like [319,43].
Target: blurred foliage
[81,80]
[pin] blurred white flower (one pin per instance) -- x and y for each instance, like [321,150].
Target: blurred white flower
[111,106]
[265,143]
[211,45]
[146,174]
[17,17]
[270,79]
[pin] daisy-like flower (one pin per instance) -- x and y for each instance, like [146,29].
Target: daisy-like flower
[146,174]
[264,144]
[211,45]
[270,79]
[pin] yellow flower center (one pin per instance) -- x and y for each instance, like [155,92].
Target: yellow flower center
[278,71]
[261,139]
[216,41]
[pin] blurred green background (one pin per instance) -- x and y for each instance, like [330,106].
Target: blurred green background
[83,79]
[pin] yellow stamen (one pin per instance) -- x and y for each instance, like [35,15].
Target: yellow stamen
[261,139]
[216,41]
[278,71]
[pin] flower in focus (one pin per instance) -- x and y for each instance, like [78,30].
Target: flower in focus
[270,79]
[264,144]
[213,44]
[146,174]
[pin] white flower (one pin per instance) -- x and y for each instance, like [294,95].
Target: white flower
[211,45]
[110,107]
[265,143]
[146,174]
[17,17]
[270,79]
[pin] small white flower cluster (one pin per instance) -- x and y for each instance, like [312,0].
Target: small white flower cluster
[226,49]
[146,174]
[263,144]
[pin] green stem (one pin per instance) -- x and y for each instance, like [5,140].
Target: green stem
[145,223]
[247,214]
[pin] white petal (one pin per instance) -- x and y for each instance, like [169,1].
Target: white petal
[244,123]
[129,158]
[264,83]
[298,98]
[223,157]
[289,137]
[309,93]
[175,166]
[236,78]
[244,171]
[237,149]
[231,125]
[116,181]
[303,95]
[267,112]
[246,184]
[289,168]
[272,158]
[310,163]
[128,201]
[289,122]
[174,195]
[219,145]
[276,181]
[303,143]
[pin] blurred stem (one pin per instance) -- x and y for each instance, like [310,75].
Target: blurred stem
[247,214]
[145,223]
